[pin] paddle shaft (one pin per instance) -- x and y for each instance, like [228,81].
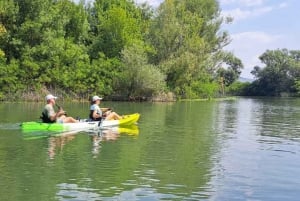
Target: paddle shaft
[59,108]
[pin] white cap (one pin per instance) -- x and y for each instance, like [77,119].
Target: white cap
[50,96]
[96,98]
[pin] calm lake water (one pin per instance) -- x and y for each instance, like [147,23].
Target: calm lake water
[243,149]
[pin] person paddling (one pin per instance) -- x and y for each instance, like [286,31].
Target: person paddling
[97,113]
[50,116]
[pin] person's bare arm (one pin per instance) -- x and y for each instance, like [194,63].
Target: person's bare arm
[96,115]
[57,115]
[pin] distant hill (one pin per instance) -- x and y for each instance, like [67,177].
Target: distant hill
[243,79]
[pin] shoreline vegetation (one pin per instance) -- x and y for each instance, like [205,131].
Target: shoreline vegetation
[40,97]
[115,48]
[129,52]
[163,97]
[209,99]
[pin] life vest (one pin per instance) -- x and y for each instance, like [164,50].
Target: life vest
[92,118]
[46,119]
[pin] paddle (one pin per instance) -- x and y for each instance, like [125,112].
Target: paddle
[60,108]
[105,109]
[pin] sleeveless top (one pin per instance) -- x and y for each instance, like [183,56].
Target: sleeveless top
[96,108]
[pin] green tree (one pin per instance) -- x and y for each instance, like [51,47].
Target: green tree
[49,55]
[232,69]
[8,20]
[238,88]
[112,47]
[186,36]
[118,25]
[279,73]
[9,82]
[103,75]
[139,78]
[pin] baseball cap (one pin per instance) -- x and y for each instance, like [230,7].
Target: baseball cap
[96,98]
[50,96]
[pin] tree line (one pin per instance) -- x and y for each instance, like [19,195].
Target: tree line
[116,48]
[279,75]
[113,48]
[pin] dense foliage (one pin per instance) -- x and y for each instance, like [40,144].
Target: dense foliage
[279,77]
[113,48]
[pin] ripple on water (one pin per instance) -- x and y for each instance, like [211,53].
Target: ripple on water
[10,126]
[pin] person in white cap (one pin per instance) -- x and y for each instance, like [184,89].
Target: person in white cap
[97,113]
[50,116]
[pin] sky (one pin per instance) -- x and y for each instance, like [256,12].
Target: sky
[258,25]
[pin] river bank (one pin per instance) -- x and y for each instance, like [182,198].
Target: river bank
[39,96]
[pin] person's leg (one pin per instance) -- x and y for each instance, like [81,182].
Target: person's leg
[113,116]
[70,120]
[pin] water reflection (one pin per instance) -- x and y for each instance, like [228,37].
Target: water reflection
[278,118]
[56,144]
[243,149]
[257,137]
[57,141]
[179,146]
[100,136]
[74,192]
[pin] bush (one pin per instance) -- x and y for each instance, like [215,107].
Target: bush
[238,88]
